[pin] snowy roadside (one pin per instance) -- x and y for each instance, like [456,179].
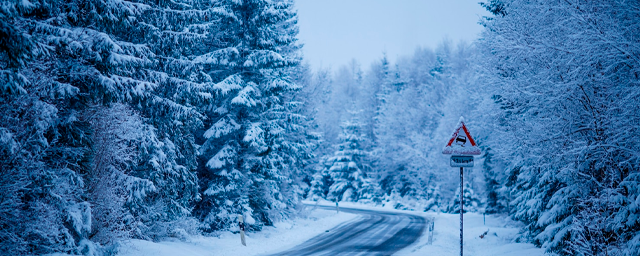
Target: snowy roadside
[281,236]
[499,240]
[284,235]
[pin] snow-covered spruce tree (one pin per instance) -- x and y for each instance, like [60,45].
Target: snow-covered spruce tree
[55,71]
[495,200]
[399,131]
[67,64]
[566,75]
[178,33]
[149,69]
[116,130]
[254,143]
[471,200]
[349,167]
[320,184]
[29,221]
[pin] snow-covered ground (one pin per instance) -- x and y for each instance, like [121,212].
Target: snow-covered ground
[499,240]
[284,235]
[281,236]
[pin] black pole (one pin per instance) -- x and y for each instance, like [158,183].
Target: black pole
[461,206]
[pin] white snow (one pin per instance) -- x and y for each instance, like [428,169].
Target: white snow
[221,128]
[244,96]
[230,83]
[80,217]
[221,158]
[281,236]
[499,240]
[255,135]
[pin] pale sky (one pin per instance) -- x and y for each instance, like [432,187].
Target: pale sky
[335,31]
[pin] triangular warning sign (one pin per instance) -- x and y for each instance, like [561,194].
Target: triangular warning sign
[461,142]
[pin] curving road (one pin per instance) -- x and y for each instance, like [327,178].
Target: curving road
[374,233]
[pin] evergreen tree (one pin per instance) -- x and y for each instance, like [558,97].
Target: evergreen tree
[89,88]
[322,181]
[495,7]
[59,71]
[177,33]
[350,168]
[471,200]
[434,202]
[256,140]
[567,88]
[495,201]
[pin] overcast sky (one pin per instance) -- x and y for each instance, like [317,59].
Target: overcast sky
[336,31]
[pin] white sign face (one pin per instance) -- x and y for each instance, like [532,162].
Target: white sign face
[461,161]
[461,142]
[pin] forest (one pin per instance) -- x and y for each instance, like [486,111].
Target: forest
[144,119]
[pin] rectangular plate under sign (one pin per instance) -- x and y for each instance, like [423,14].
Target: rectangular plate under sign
[461,161]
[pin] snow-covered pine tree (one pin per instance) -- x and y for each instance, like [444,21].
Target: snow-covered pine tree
[74,67]
[495,200]
[64,62]
[496,7]
[471,200]
[45,146]
[566,76]
[312,97]
[25,120]
[349,166]
[177,33]
[254,143]
[434,199]
[319,187]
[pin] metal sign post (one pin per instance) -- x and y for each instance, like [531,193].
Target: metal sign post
[462,147]
[461,206]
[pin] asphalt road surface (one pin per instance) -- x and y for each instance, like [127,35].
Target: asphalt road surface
[374,233]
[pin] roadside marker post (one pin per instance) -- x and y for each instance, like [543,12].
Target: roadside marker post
[337,207]
[431,228]
[462,148]
[241,226]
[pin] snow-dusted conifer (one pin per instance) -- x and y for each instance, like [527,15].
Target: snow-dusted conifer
[566,75]
[177,33]
[495,200]
[65,62]
[254,144]
[349,167]
[63,66]
[471,200]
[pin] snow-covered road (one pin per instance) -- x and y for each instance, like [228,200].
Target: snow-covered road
[357,230]
[374,233]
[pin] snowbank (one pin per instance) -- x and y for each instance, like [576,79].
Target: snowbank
[499,240]
[280,237]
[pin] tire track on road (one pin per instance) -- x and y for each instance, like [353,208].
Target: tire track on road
[376,233]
